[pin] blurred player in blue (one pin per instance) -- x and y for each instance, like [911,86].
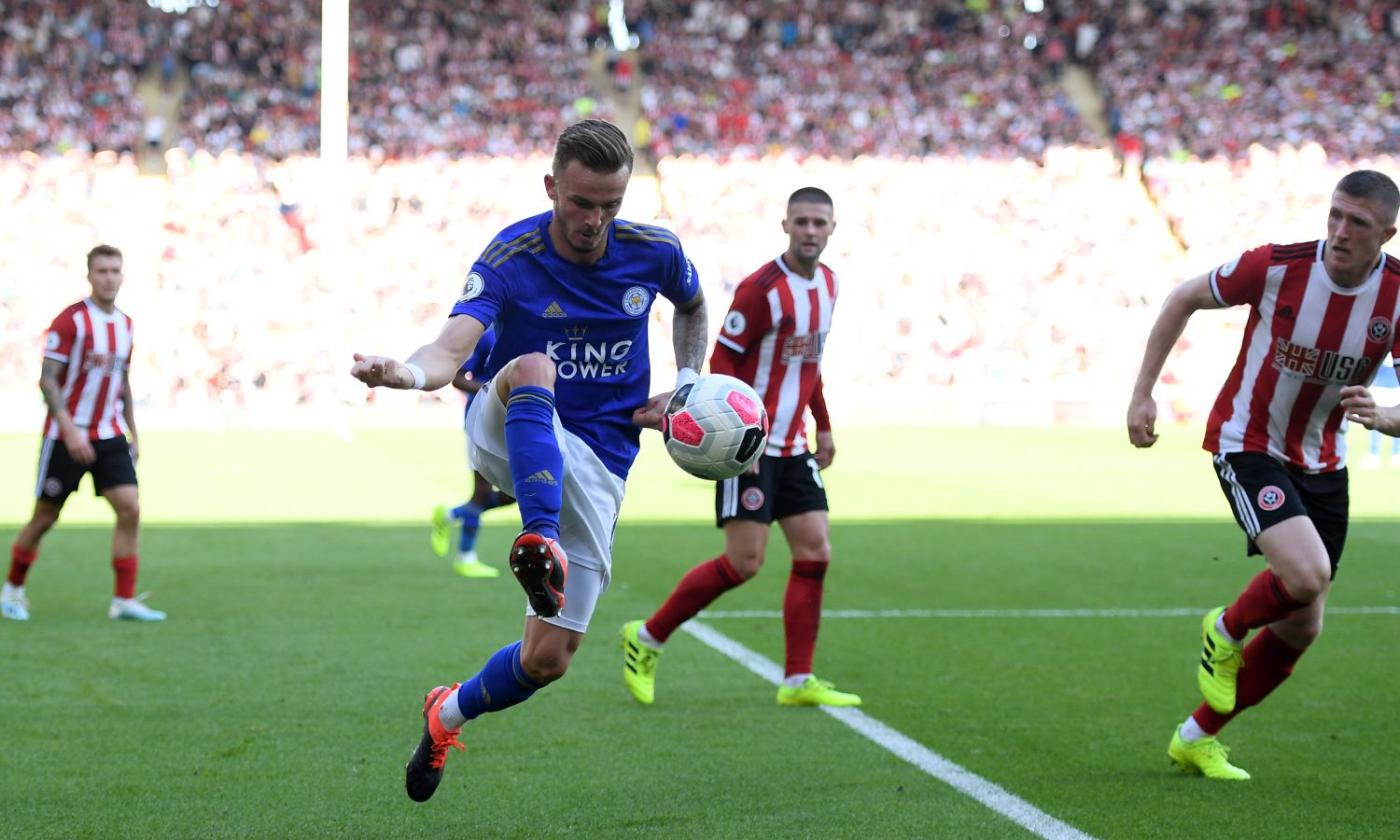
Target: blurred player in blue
[470,379]
[560,418]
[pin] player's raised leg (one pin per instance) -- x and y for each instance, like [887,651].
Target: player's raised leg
[14,604]
[1299,574]
[526,387]
[744,545]
[126,605]
[802,610]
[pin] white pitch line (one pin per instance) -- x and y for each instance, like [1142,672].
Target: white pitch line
[1168,612]
[964,781]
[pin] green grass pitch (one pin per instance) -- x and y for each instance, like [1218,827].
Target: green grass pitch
[308,617]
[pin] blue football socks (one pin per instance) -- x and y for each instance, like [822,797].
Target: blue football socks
[500,684]
[469,515]
[535,459]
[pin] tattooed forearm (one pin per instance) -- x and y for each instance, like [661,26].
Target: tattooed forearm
[690,333]
[52,391]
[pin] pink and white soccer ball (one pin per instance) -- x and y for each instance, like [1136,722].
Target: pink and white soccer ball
[715,427]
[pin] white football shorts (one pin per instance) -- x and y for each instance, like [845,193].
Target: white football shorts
[587,518]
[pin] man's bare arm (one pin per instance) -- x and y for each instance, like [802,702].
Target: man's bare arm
[74,439]
[690,333]
[52,390]
[1193,295]
[437,361]
[128,404]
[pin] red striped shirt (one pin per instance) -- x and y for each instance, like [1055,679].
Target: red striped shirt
[772,338]
[95,347]
[1306,338]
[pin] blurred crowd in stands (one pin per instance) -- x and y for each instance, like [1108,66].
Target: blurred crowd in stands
[992,290]
[999,261]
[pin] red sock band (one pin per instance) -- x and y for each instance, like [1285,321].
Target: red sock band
[125,569]
[802,614]
[20,561]
[1263,602]
[697,590]
[1268,661]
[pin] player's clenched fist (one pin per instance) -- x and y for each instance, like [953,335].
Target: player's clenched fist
[376,371]
[1142,421]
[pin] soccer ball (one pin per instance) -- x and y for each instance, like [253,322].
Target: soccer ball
[715,427]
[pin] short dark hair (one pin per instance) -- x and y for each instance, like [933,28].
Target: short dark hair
[102,251]
[600,146]
[1373,186]
[812,195]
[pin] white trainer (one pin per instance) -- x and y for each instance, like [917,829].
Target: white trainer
[132,609]
[13,604]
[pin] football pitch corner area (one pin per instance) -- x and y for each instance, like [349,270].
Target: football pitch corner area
[1037,634]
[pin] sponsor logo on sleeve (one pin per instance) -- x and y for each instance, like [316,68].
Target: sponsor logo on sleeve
[476,284]
[734,323]
[52,342]
[1228,268]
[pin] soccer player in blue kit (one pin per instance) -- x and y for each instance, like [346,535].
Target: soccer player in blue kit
[569,292]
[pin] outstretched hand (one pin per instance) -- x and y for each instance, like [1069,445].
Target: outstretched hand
[1142,422]
[650,415]
[376,371]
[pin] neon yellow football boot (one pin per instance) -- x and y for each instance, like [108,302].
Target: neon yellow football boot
[470,566]
[442,531]
[1206,756]
[1220,665]
[815,692]
[639,664]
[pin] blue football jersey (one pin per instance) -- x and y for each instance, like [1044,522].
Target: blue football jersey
[476,362]
[590,320]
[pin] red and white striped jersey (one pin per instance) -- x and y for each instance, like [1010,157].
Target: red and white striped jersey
[772,338]
[1306,338]
[96,347]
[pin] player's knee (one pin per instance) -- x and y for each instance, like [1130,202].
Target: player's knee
[544,665]
[128,513]
[1307,583]
[818,552]
[745,563]
[532,369]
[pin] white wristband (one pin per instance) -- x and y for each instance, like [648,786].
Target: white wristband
[685,376]
[419,378]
